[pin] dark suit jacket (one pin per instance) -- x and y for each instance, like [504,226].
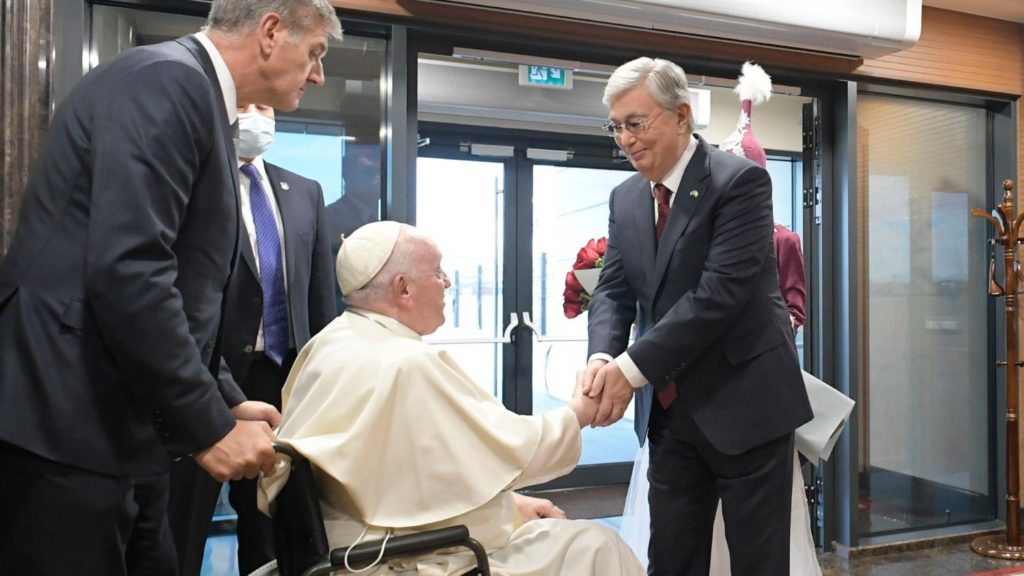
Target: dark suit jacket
[309,269]
[706,302]
[111,294]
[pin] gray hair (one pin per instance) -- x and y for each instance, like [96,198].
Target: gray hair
[241,16]
[665,82]
[399,262]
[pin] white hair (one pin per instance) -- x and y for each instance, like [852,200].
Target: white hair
[399,262]
[665,82]
[242,16]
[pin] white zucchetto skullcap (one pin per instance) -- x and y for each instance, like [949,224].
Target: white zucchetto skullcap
[364,252]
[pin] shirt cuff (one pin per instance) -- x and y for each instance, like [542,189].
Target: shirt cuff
[630,371]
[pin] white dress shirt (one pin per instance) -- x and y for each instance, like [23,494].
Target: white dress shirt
[227,83]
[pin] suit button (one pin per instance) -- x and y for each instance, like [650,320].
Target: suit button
[257,302]
[248,348]
[208,347]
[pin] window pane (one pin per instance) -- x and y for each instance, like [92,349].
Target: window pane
[570,206]
[472,251]
[922,167]
[785,192]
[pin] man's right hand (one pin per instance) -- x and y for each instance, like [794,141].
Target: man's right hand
[243,453]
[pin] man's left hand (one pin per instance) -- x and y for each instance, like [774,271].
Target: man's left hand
[616,392]
[255,410]
[531,508]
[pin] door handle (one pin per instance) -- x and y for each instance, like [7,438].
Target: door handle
[528,322]
[506,337]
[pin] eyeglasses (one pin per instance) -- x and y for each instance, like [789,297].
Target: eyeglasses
[635,125]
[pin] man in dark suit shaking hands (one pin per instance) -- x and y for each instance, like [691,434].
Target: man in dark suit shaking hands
[719,390]
[281,295]
[112,294]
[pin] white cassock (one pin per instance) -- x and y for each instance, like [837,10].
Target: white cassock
[403,440]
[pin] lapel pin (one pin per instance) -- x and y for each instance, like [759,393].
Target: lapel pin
[694,194]
[284,185]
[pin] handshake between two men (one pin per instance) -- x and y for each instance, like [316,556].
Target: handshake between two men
[603,385]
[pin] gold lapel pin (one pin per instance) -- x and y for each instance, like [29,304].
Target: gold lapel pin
[694,194]
[284,185]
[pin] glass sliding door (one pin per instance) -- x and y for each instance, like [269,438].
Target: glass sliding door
[570,206]
[509,228]
[926,441]
[460,204]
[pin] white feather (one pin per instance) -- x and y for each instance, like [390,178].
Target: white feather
[754,84]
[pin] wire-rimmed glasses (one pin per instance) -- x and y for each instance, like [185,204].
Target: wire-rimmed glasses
[635,125]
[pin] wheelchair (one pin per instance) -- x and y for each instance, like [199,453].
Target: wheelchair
[300,540]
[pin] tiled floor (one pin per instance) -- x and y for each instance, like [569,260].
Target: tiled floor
[951,560]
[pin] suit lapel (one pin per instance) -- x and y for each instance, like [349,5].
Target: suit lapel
[691,191]
[247,255]
[201,56]
[643,216]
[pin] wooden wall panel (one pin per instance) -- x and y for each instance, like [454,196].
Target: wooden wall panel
[26,69]
[957,50]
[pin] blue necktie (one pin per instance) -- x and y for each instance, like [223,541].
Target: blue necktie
[268,243]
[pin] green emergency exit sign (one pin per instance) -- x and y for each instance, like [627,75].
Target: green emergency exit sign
[545,76]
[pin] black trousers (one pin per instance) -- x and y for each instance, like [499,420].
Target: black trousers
[688,476]
[194,493]
[58,519]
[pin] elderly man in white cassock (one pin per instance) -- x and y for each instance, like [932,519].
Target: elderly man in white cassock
[403,440]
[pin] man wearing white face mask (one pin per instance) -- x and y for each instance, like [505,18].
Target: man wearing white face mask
[282,295]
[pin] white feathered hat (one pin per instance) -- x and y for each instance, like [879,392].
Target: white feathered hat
[754,87]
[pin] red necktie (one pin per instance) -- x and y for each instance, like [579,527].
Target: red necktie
[662,195]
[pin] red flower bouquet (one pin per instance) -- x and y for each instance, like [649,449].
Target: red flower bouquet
[581,280]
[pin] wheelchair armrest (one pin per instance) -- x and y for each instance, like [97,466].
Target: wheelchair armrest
[427,541]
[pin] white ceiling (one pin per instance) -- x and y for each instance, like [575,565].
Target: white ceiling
[1012,10]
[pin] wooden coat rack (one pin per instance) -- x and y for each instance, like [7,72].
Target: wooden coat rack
[1007,546]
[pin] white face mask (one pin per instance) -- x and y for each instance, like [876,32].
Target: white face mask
[255,134]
